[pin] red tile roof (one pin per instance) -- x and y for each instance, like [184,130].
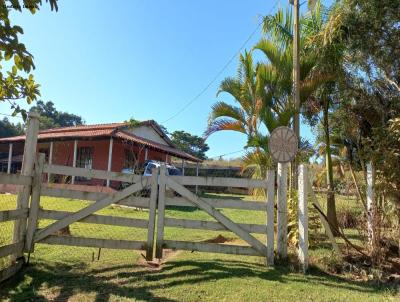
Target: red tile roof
[105,130]
[152,144]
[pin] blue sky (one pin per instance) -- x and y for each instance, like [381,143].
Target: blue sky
[110,61]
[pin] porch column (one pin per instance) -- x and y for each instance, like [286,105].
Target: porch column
[146,153]
[183,167]
[197,174]
[74,159]
[10,150]
[110,149]
[50,160]
[166,158]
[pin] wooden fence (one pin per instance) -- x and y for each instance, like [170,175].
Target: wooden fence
[26,215]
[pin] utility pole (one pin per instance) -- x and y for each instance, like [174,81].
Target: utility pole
[296,80]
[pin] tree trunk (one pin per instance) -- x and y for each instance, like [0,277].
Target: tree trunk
[330,198]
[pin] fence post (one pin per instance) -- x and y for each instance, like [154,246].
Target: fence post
[27,170]
[370,204]
[152,215]
[282,211]
[303,217]
[35,203]
[161,212]
[270,216]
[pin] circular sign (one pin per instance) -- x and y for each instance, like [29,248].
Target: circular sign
[283,144]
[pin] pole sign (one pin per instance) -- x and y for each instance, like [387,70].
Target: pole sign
[283,144]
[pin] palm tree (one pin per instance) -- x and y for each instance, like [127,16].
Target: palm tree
[243,88]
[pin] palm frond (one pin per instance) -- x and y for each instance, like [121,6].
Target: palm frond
[223,124]
[279,27]
[222,109]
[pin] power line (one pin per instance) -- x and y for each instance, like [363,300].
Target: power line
[220,72]
[230,153]
[4,114]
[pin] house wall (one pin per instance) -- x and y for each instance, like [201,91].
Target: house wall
[148,133]
[63,152]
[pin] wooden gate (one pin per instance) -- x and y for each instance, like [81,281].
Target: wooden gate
[243,231]
[86,215]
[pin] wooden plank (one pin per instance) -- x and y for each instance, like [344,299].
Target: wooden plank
[92,173]
[270,216]
[282,211]
[48,190]
[324,222]
[211,248]
[13,214]
[15,179]
[28,162]
[10,271]
[51,229]
[219,181]
[35,203]
[95,242]
[212,225]
[219,203]
[217,215]
[97,219]
[161,212]
[303,218]
[13,248]
[134,201]
[152,215]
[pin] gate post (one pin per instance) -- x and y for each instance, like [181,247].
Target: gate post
[161,212]
[282,211]
[270,216]
[35,203]
[27,170]
[152,215]
[303,218]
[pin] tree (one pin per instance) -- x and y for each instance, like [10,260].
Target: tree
[8,129]
[245,91]
[17,82]
[50,117]
[189,143]
[357,44]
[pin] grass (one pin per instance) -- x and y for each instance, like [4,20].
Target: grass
[59,273]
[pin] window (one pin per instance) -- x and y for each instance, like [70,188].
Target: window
[85,157]
[129,159]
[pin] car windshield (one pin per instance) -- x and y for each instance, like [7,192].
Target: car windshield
[149,168]
[174,171]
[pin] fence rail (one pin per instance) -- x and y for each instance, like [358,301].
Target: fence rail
[97,219]
[13,214]
[15,179]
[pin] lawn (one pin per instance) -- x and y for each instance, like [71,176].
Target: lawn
[59,273]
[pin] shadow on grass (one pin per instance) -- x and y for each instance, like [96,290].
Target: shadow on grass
[60,281]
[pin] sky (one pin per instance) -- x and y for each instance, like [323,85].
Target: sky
[110,61]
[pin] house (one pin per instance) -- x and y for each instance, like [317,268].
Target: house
[111,147]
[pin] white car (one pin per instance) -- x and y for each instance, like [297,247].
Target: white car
[147,171]
[150,165]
